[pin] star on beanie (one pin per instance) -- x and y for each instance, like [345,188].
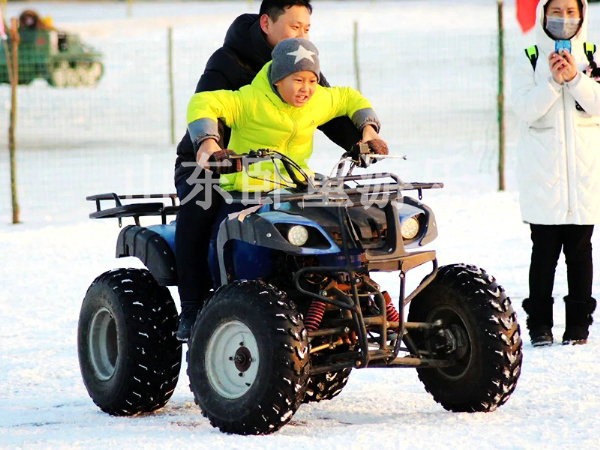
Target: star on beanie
[302,53]
[294,55]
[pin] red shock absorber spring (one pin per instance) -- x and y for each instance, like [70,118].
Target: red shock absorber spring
[314,315]
[392,313]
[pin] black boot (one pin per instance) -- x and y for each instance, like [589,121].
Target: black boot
[539,321]
[186,321]
[578,319]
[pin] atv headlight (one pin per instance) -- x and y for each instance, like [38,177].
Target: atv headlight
[297,235]
[410,228]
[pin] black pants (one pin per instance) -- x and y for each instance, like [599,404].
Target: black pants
[575,242]
[200,206]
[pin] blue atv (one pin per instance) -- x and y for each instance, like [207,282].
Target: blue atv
[294,308]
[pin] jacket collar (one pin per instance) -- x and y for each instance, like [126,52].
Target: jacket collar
[246,38]
[262,81]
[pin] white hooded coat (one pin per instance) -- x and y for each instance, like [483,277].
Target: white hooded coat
[559,146]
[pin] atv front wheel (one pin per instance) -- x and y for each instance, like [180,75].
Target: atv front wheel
[128,354]
[248,358]
[479,333]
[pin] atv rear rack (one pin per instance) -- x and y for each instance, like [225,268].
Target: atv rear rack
[135,210]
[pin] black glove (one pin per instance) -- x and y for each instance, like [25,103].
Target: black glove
[360,150]
[221,162]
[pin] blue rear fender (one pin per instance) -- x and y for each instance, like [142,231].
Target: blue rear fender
[154,246]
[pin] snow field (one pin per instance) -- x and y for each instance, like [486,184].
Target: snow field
[49,261]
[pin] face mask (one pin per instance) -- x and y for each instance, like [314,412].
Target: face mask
[560,28]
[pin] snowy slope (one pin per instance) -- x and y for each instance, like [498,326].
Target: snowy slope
[49,261]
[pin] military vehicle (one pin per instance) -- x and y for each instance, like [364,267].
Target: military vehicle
[56,56]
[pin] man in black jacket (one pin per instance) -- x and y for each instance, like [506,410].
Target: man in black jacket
[247,48]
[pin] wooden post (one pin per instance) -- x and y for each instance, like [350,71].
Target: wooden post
[355,52]
[500,96]
[12,61]
[171,82]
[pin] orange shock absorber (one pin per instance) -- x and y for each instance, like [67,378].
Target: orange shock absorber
[314,315]
[392,313]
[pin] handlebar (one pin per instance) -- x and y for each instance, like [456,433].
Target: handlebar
[307,187]
[292,168]
[343,189]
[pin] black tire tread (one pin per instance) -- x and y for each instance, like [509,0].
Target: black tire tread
[287,382]
[325,386]
[500,339]
[154,354]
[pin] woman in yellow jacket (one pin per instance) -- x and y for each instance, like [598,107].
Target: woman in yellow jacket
[279,110]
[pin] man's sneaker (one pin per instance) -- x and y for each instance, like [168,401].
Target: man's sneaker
[541,337]
[184,329]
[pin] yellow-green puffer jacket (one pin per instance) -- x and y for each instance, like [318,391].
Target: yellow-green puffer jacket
[259,119]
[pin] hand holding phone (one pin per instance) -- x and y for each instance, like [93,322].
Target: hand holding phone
[562,63]
[562,44]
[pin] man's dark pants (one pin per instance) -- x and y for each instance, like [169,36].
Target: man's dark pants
[197,214]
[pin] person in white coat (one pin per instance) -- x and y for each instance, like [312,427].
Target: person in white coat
[558,104]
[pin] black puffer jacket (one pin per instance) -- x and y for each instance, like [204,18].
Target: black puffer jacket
[244,52]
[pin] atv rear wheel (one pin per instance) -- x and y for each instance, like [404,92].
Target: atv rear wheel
[479,331]
[248,358]
[128,355]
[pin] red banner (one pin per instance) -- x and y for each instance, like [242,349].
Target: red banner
[526,14]
[2,31]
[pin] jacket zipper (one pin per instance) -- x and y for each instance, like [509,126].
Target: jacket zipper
[293,133]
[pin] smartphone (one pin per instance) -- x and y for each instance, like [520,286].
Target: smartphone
[562,45]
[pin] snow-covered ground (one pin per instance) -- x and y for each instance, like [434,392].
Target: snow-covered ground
[49,261]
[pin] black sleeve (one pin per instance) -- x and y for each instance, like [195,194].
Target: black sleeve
[220,73]
[340,130]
